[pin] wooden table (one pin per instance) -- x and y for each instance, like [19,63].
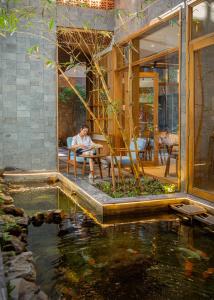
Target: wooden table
[93,157]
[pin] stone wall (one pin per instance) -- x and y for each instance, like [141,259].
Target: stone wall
[28,100]
[28,90]
[79,17]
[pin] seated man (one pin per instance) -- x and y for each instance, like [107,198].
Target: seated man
[84,144]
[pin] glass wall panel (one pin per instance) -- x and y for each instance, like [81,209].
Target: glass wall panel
[167,68]
[203,18]
[157,40]
[204,119]
[146,117]
[161,119]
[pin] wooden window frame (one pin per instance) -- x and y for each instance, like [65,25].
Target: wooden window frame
[192,46]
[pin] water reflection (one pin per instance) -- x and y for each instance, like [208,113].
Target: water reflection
[78,259]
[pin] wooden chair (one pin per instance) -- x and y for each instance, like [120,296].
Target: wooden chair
[74,160]
[122,158]
[171,154]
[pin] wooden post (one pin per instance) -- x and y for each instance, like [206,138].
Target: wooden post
[113,174]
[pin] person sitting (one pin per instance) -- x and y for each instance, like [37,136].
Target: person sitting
[83,143]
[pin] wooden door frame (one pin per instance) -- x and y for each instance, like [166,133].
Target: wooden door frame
[195,45]
[155,76]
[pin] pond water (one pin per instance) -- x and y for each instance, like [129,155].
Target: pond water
[79,259]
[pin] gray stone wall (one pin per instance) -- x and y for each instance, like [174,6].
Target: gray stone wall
[28,121]
[28,90]
[79,17]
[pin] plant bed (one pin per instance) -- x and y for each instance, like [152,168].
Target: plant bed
[129,188]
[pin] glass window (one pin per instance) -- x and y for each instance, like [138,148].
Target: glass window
[159,113]
[203,18]
[167,69]
[163,38]
[204,119]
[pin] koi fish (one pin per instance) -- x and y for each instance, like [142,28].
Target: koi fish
[209,272]
[188,267]
[88,259]
[132,251]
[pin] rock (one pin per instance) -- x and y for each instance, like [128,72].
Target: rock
[7,219]
[38,219]
[23,238]
[49,216]
[52,179]
[4,188]
[58,215]
[66,227]
[25,290]
[38,216]
[17,245]
[22,266]
[15,230]
[40,296]
[15,211]
[7,255]
[22,221]
[7,200]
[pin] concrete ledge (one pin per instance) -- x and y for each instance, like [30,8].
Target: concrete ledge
[29,176]
[102,205]
[105,205]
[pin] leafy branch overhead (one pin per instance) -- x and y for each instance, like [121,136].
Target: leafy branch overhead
[13,17]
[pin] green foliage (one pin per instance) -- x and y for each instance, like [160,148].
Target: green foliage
[129,188]
[10,226]
[49,63]
[8,22]
[106,187]
[10,288]
[33,50]
[51,24]
[13,18]
[5,237]
[153,187]
[67,93]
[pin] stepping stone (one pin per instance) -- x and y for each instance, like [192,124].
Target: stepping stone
[205,218]
[188,209]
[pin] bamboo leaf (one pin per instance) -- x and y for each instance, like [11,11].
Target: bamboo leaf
[49,63]
[51,24]
[33,50]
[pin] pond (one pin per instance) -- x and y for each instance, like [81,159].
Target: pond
[80,259]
